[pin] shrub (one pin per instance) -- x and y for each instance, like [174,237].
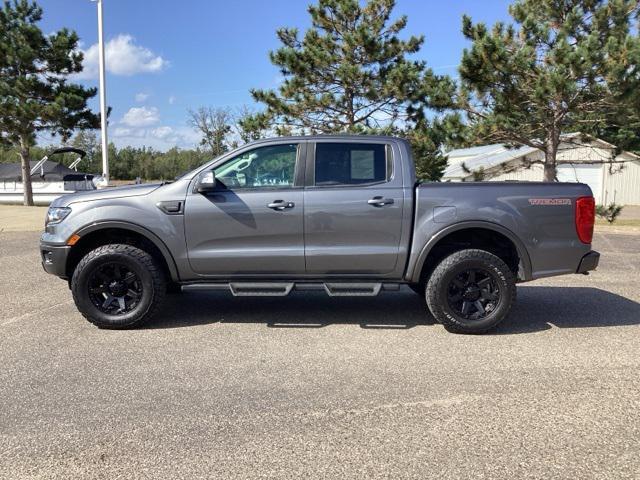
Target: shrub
[609,213]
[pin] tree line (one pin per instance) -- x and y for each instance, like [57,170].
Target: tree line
[127,163]
[559,66]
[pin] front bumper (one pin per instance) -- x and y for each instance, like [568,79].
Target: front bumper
[589,262]
[54,259]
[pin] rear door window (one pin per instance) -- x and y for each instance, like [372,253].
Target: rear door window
[350,164]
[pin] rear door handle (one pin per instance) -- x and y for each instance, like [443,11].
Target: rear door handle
[280,205]
[380,201]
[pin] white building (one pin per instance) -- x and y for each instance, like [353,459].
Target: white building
[611,178]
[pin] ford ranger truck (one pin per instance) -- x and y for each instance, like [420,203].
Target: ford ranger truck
[342,214]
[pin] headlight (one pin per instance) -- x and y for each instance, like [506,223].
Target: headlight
[56,215]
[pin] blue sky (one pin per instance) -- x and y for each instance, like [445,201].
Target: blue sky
[164,57]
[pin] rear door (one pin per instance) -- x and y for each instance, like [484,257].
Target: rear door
[354,203]
[252,223]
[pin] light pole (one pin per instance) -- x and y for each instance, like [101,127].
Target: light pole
[103,98]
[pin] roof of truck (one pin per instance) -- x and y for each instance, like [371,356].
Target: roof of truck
[342,136]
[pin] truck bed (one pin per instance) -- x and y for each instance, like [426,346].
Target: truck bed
[539,218]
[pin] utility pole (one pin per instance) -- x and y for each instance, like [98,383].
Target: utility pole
[103,97]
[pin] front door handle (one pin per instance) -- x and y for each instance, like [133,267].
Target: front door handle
[280,205]
[380,201]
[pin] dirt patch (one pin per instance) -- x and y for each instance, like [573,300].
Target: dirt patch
[621,225]
[630,212]
[18,218]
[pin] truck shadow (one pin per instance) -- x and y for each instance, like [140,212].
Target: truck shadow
[538,308]
[398,310]
[542,308]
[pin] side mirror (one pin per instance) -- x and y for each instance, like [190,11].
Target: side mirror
[206,182]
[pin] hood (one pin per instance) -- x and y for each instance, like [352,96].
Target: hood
[105,194]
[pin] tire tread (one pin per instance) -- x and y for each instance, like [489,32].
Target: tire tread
[450,323]
[139,255]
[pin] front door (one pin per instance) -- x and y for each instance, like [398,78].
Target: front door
[252,223]
[353,210]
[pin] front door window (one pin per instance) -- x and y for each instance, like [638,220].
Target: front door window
[263,167]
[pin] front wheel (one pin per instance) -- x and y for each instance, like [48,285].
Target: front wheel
[118,286]
[471,291]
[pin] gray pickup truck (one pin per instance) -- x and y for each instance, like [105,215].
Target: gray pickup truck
[343,214]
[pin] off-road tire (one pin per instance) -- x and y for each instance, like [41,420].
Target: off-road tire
[438,286]
[151,277]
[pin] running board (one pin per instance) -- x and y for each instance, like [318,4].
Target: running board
[352,289]
[260,289]
[282,289]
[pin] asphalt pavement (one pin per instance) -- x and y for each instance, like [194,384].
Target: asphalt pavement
[314,387]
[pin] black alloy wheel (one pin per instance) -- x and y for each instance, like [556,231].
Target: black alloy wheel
[114,289]
[470,291]
[118,286]
[474,293]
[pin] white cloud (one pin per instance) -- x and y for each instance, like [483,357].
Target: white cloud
[172,100]
[141,97]
[160,138]
[163,133]
[128,132]
[141,117]
[122,57]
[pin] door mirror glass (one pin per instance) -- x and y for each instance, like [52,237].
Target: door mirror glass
[206,182]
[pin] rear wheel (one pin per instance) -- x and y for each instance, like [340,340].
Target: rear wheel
[118,286]
[471,291]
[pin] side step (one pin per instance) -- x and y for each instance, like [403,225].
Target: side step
[282,289]
[260,289]
[352,289]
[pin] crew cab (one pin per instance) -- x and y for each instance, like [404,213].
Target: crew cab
[341,214]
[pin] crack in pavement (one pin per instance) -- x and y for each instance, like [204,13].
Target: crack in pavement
[33,312]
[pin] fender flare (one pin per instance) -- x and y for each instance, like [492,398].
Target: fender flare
[148,234]
[523,254]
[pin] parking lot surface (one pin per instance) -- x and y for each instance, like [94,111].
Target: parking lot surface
[314,387]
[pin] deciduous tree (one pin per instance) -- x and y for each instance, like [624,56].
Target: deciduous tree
[215,126]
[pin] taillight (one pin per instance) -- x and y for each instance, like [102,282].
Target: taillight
[585,218]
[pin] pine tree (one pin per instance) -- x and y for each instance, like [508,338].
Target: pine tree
[567,65]
[350,72]
[430,138]
[35,93]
